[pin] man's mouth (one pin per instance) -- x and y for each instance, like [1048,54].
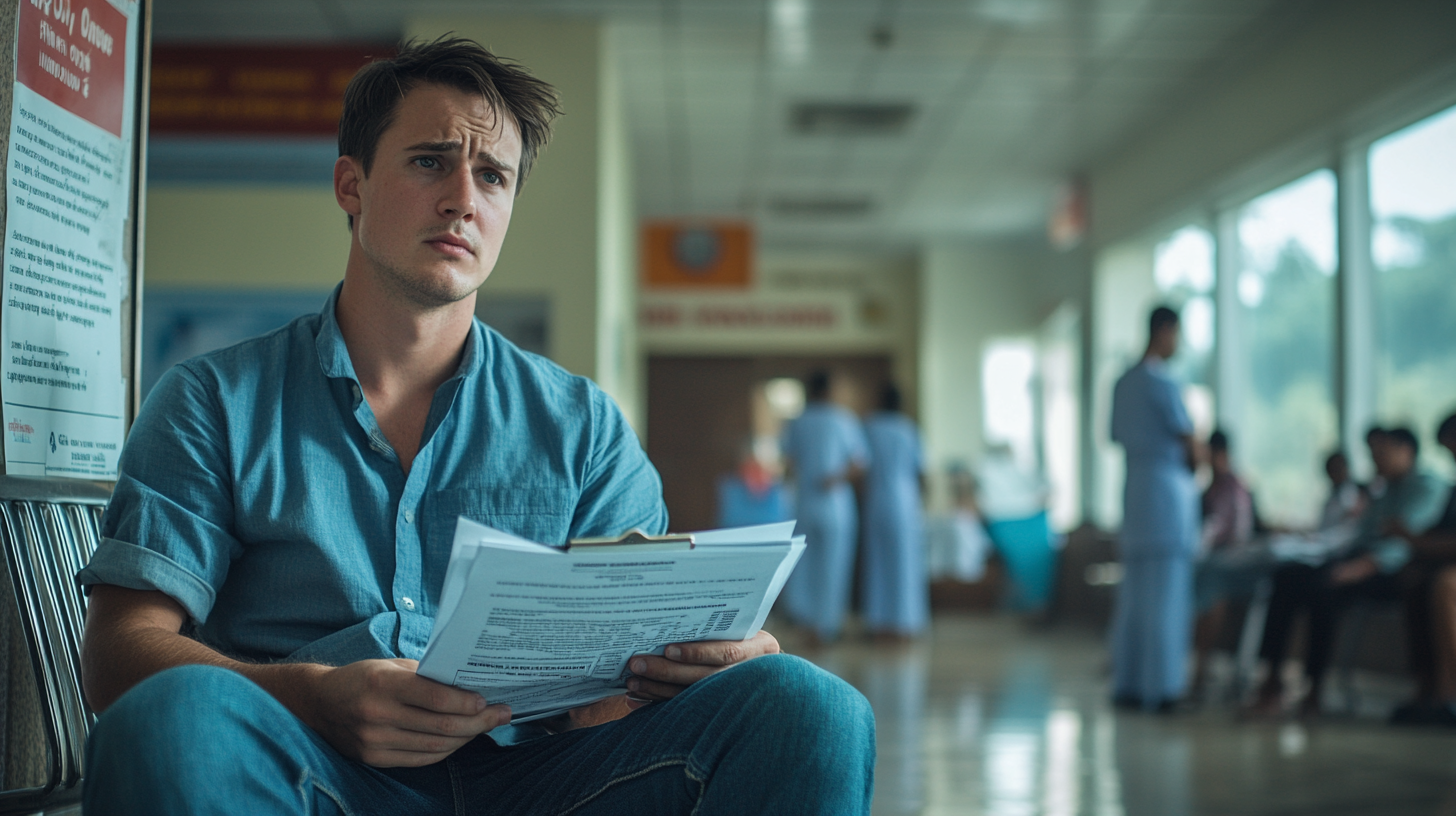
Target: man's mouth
[451,244]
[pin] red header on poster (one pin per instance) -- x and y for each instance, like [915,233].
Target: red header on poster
[73,52]
[279,90]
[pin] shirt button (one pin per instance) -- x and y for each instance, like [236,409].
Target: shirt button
[407,604]
[409,517]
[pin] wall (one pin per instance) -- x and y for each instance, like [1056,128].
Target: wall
[245,237]
[968,294]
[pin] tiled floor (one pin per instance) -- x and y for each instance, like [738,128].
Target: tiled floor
[985,716]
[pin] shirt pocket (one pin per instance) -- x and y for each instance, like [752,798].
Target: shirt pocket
[541,513]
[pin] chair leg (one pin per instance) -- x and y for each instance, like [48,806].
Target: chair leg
[1249,638]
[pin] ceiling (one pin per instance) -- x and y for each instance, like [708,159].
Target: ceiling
[1008,99]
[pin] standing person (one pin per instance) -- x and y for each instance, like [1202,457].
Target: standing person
[826,454]
[289,503]
[893,575]
[1157,546]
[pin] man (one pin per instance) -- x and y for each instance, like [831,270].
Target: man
[1429,582]
[826,452]
[1412,501]
[893,578]
[1150,627]
[290,502]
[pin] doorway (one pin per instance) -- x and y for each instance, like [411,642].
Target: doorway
[701,414]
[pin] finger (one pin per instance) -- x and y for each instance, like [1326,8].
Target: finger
[653,690]
[454,726]
[422,692]
[722,652]
[667,671]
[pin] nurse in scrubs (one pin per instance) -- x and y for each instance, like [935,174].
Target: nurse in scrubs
[826,454]
[1158,542]
[893,574]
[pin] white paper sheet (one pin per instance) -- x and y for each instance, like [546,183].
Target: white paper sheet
[544,630]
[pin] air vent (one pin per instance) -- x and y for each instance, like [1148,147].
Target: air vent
[850,118]
[821,207]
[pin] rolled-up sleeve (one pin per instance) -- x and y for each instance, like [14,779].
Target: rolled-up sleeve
[168,525]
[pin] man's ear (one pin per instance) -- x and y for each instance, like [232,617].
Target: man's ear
[347,175]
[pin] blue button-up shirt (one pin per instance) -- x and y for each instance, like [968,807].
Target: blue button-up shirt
[257,490]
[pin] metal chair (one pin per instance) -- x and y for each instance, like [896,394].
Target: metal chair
[48,531]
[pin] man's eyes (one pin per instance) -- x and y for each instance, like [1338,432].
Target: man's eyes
[433,163]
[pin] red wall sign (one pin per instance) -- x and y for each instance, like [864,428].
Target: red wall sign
[73,52]
[282,90]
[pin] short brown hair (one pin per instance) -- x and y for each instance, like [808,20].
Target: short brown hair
[375,92]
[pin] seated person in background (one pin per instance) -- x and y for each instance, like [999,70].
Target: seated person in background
[753,494]
[1225,570]
[1366,569]
[1348,498]
[1430,610]
[282,522]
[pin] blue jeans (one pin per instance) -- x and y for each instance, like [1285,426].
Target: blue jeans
[773,735]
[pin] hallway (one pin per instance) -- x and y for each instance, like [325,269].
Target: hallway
[987,717]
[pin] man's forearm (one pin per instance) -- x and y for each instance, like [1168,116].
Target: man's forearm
[132,635]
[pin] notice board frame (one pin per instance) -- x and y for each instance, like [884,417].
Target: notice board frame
[134,244]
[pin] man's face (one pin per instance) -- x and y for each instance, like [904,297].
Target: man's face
[1393,459]
[1165,342]
[432,213]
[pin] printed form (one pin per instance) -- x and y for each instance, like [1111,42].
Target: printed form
[545,629]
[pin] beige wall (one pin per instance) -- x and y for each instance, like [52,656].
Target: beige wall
[245,237]
[968,294]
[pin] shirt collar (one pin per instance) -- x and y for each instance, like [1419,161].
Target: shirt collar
[333,354]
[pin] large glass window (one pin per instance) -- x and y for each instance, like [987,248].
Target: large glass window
[1284,410]
[1183,270]
[1413,245]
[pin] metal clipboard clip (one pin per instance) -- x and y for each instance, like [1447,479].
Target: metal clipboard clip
[633,541]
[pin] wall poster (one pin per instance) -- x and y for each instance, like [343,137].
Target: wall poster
[68,185]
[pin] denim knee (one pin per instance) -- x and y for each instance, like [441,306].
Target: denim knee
[799,697]
[181,714]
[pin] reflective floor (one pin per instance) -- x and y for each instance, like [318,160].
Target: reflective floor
[986,716]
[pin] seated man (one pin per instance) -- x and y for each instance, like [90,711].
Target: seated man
[1367,569]
[1430,611]
[279,534]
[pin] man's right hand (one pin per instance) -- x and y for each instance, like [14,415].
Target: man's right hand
[381,713]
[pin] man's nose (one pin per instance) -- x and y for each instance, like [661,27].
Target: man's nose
[457,199]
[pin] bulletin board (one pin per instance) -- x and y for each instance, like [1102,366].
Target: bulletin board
[74,176]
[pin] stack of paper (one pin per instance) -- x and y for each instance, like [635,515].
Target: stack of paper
[544,629]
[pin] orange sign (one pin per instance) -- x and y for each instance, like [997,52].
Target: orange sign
[697,254]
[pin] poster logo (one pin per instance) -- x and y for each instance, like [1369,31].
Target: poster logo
[20,432]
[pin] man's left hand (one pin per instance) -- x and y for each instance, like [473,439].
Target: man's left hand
[682,664]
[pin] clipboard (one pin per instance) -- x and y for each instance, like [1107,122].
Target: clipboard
[633,541]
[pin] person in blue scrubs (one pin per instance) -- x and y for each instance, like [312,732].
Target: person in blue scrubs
[892,571]
[1158,543]
[826,452]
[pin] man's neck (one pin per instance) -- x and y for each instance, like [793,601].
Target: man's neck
[399,351]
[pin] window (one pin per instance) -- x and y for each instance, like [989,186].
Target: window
[1183,271]
[1283,416]
[1413,246]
